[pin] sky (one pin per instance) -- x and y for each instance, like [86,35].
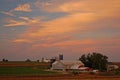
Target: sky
[46,28]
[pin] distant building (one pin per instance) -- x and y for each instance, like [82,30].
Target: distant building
[45,60]
[111,66]
[66,65]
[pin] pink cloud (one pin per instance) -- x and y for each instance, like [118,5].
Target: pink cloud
[23,7]
[82,43]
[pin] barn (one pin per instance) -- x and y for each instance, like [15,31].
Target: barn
[66,65]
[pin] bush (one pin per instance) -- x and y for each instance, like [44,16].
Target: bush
[75,72]
[117,72]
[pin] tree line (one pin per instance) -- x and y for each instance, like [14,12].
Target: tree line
[95,61]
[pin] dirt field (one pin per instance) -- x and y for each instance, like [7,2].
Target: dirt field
[61,77]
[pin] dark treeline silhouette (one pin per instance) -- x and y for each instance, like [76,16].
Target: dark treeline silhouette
[95,61]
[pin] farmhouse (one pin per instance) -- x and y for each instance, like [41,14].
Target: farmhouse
[66,65]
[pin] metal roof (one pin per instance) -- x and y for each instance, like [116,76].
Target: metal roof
[69,62]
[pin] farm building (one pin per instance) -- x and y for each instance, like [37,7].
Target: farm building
[45,60]
[66,65]
[111,66]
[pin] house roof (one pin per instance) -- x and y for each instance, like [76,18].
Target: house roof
[69,62]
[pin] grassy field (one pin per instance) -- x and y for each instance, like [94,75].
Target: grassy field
[24,68]
[24,71]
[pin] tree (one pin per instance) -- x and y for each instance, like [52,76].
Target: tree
[28,60]
[4,60]
[38,60]
[95,61]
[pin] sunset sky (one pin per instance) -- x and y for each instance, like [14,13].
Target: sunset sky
[45,28]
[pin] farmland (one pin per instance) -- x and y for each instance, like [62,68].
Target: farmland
[39,71]
[24,68]
[23,71]
[61,77]
[23,63]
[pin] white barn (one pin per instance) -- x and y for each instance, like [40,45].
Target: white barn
[66,65]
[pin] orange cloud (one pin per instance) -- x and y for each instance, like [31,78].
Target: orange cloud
[82,43]
[24,18]
[80,13]
[74,21]
[68,43]
[25,21]
[60,26]
[8,13]
[22,41]
[15,23]
[23,7]
[101,8]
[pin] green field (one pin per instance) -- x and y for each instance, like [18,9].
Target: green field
[25,68]
[24,71]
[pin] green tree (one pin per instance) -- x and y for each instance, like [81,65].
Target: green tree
[95,60]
